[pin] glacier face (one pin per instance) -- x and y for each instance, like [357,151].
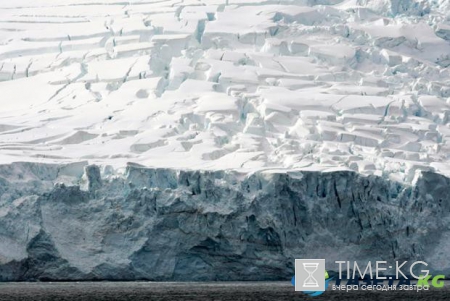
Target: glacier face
[73,222]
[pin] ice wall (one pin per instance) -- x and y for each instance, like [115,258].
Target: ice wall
[76,222]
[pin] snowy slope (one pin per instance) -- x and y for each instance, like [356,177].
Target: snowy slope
[228,84]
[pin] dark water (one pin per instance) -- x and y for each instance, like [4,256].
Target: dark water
[229,291]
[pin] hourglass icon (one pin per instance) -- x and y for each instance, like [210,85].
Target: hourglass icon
[309,275]
[310,268]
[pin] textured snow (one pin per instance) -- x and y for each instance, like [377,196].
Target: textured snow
[228,84]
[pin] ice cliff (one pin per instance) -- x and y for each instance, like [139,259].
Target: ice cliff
[70,223]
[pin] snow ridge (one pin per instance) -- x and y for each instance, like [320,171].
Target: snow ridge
[239,84]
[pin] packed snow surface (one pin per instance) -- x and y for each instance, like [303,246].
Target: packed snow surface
[228,84]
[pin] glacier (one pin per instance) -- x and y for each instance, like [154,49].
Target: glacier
[221,139]
[70,222]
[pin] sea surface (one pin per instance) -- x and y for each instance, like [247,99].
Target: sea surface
[220,291]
